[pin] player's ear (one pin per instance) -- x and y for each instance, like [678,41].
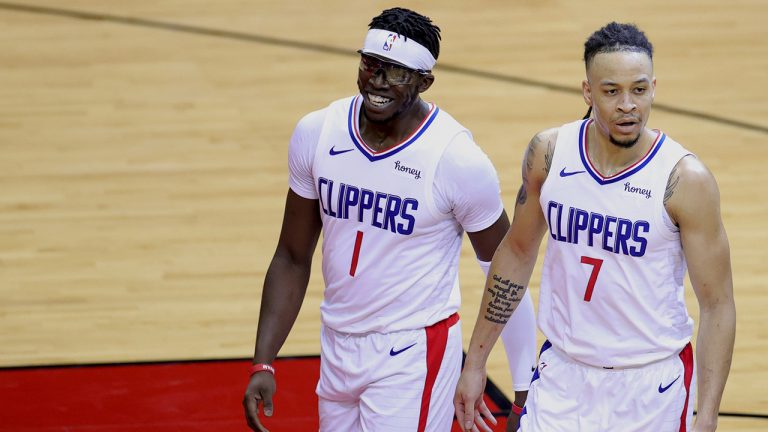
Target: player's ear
[425,82]
[586,91]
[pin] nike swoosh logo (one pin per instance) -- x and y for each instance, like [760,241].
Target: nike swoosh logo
[566,174]
[393,353]
[663,389]
[333,152]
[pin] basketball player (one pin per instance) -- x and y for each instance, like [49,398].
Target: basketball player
[393,182]
[625,209]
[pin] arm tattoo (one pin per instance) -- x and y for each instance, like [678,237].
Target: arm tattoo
[522,194]
[549,156]
[530,154]
[674,179]
[505,296]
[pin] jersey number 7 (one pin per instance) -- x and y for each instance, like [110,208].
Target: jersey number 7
[596,263]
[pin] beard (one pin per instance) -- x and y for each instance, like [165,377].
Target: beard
[626,143]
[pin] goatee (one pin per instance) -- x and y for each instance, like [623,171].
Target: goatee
[624,144]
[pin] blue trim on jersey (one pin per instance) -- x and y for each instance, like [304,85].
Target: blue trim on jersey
[349,124]
[600,179]
[364,149]
[547,345]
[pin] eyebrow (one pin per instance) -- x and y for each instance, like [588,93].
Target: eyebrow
[613,83]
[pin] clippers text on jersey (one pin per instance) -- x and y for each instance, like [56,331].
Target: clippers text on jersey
[611,233]
[380,209]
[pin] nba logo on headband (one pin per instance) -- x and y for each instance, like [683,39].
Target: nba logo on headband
[411,54]
[389,42]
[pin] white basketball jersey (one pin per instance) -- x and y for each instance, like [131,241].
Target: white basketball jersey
[612,291]
[390,257]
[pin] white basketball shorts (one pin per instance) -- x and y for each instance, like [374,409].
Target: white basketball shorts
[400,381]
[570,396]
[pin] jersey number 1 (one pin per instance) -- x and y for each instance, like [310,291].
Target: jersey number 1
[596,264]
[356,253]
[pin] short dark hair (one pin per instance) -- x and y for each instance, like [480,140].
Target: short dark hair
[410,24]
[616,37]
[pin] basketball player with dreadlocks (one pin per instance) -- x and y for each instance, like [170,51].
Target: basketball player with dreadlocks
[626,209]
[393,182]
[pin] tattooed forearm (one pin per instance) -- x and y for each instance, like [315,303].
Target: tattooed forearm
[505,296]
[674,178]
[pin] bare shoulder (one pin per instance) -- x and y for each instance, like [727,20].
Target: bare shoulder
[691,191]
[549,134]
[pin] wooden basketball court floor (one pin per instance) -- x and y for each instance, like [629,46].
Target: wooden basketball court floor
[143,155]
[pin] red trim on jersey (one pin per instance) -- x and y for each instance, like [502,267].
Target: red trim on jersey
[437,339]
[686,356]
[592,166]
[356,128]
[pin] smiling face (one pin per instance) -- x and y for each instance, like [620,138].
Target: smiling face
[620,88]
[389,90]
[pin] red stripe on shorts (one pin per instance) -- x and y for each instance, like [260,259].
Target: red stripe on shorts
[437,338]
[686,356]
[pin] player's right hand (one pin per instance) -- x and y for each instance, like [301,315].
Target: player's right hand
[260,389]
[471,411]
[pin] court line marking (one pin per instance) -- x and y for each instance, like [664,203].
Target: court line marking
[308,46]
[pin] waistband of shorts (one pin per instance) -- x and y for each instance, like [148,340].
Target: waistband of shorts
[448,322]
[566,357]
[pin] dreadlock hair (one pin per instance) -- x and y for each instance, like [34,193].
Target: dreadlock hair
[410,24]
[615,37]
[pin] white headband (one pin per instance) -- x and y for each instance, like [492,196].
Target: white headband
[390,45]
